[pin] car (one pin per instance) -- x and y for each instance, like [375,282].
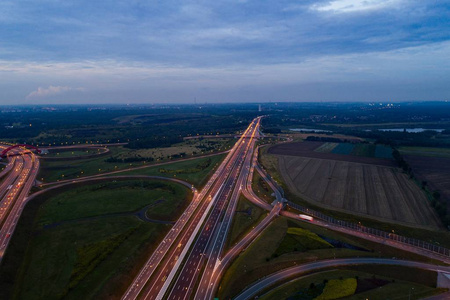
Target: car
[306,217]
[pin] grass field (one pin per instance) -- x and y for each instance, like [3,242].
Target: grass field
[82,242]
[298,239]
[370,190]
[261,188]
[58,170]
[247,215]
[185,170]
[72,153]
[61,169]
[188,147]
[258,260]
[369,285]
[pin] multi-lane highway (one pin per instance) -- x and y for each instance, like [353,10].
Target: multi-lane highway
[203,256]
[190,260]
[154,279]
[210,281]
[17,183]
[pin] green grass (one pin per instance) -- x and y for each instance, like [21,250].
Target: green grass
[261,188]
[197,178]
[258,260]
[396,287]
[72,153]
[338,288]
[68,169]
[112,197]
[86,257]
[59,170]
[243,222]
[298,239]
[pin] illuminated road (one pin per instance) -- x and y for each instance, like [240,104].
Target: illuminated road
[208,246]
[15,189]
[209,283]
[285,274]
[155,276]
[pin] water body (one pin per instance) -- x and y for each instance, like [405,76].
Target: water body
[310,130]
[411,130]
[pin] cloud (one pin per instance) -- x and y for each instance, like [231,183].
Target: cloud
[343,6]
[51,91]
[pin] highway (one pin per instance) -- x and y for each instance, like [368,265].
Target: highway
[285,274]
[210,281]
[208,246]
[189,262]
[14,192]
[155,276]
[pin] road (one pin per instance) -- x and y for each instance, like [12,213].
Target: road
[14,192]
[208,246]
[216,266]
[285,274]
[156,275]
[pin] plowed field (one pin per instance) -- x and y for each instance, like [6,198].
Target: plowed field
[360,188]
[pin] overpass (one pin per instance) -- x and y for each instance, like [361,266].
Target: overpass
[5,151]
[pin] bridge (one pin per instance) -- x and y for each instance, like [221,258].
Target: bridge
[5,151]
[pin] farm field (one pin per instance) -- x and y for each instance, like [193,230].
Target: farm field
[360,153]
[425,151]
[434,170]
[370,190]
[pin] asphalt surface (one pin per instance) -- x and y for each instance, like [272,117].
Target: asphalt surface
[211,238]
[14,191]
[157,273]
[285,274]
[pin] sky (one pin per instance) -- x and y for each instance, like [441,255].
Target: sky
[131,51]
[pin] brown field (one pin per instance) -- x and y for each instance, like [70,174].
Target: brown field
[306,149]
[364,189]
[434,170]
[334,135]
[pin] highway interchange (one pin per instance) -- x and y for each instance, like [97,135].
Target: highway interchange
[18,180]
[190,261]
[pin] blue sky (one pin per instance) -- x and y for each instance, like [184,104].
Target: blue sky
[133,51]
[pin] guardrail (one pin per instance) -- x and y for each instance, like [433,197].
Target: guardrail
[372,231]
